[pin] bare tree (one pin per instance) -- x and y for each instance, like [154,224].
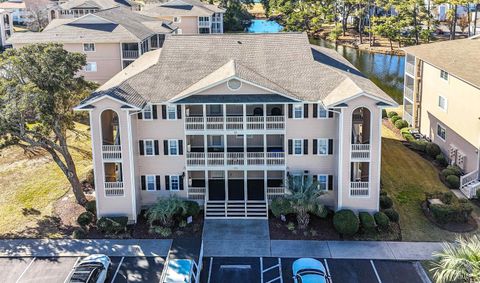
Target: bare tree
[37,18]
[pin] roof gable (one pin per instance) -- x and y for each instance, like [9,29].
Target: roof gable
[90,19]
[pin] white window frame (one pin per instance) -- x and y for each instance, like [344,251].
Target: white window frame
[92,70]
[171,178]
[320,110]
[145,152]
[445,100]
[169,109]
[297,107]
[294,146]
[177,19]
[439,126]
[148,109]
[444,75]
[326,182]
[147,188]
[212,139]
[319,141]
[87,44]
[170,147]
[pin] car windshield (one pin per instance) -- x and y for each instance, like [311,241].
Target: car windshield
[303,272]
[86,272]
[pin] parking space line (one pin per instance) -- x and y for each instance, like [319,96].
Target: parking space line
[75,264]
[375,270]
[261,269]
[280,269]
[118,269]
[210,270]
[26,268]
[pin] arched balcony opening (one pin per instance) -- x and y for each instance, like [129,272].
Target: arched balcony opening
[111,146]
[361,129]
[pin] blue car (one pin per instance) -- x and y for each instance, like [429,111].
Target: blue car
[309,270]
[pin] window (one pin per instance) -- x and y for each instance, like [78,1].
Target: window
[171,112]
[174,183]
[441,132]
[298,111]
[178,31]
[149,150]
[322,146]
[147,112]
[172,147]
[322,112]
[91,67]
[444,75]
[298,147]
[151,184]
[177,19]
[216,141]
[322,182]
[204,19]
[89,47]
[442,103]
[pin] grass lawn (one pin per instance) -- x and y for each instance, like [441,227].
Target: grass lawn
[29,187]
[406,176]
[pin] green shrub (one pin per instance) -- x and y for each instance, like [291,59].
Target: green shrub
[456,170]
[182,224]
[85,218]
[112,225]
[385,202]
[442,161]
[408,137]
[419,145]
[91,206]
[79,233]
[447,172]
[345,222]
[432,149]
[280,206]
[165,210]
[382,220]
[383,193]
[384,113]
[400,124]
[477,194]
[453,182]
[367,221]
[193,209]
[445,197]
[451,213]
[391,114]
[291,226]
[392,214]
[162,231]
[395,119]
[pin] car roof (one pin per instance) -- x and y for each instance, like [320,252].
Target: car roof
[84,272]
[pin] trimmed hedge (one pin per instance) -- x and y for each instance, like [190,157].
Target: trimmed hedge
[442,160]
[400,124]
[392,214]
[453,182]
[395,119]
[455,169]
[432,149]
[79,233]
[447,172]
[419,145]
[280,206]
[367,221]
[193,209]
[454,213]
[85,218]
[385,202]
[382,220]
[445,197]
[391,114]
[112,225]
[91,206]
[384,113]
[346,222]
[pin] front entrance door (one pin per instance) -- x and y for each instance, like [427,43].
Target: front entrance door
[216,185]
[255,185]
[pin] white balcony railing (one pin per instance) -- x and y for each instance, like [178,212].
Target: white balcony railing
[255,122]
[235,123]
[198,159]
[275,158]
[110,152]
[194,123]
[360,151]
[273,192]
[214,123]
[359,189]
[113,189]
[275,122]
[469,178]
[216,158]
[195,158]
[196,193]
[410,68]
[130,54]
[255,158]
[408,92]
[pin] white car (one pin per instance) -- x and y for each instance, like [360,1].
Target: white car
[92,269]
[309,270]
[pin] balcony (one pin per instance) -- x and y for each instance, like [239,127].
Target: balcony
[111,152]
[196,193]
[359,189]
[273,192]
[113,189]
[360,152]
[130,54]
[410,68]
[235,123]
[199,159]
[203,24]
[408,92]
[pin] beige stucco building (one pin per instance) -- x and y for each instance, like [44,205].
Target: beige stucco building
[228,124]
[78,8]
[442,100]
[111,39]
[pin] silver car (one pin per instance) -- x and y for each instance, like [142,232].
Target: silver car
[92,269]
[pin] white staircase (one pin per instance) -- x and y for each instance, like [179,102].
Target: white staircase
[470,183]
[236,209]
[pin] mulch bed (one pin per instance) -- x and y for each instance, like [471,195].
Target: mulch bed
[318,229]
[469,226]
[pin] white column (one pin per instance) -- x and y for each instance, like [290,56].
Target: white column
[340,160]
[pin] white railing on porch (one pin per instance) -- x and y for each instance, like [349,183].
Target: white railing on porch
[410,68]
[235,123]
[111,151]
[358,189]
[273,192]
[130,54]
[275,122]
[196,193]
[360,151]
[113,189]
[194,123]
[408,93]
[255,122]
[275,158]
[215,123]
[470,183]
[240,209]
[196,159]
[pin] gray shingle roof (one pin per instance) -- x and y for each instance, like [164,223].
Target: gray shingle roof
[100,4]
[181,8]
[283,62]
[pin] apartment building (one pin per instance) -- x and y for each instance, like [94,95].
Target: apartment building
[442,100]
[18,9]
[111,39]
[191,16]
[78,8]
[228,124]
[6,27]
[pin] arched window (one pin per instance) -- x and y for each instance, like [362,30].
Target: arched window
[361,126]
[110,128]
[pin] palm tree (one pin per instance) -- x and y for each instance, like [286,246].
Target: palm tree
[304,198]
[459,261]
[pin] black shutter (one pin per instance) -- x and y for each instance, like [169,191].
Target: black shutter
[180,147]
[315,178]
[156,147]
[157,182]
[330,146]
[305,146]
[179,111]
[330,114]
[167,182]
[165,147]
[164,112]
[144,185]
[305,110]
[140,115]
[154,110]
[330,182]
[315,146]
[290,110]
[140,143]
[315,110]
[290,147]
[180,183]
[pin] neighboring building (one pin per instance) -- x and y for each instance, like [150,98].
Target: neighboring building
[191,16]
[18,10]
[6,27]
[227,119]
[111,39]
[78,8]
[442,100]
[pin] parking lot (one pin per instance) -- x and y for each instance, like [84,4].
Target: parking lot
[220,269]
[57,269]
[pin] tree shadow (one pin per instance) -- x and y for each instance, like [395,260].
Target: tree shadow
[30,211]
[46,227]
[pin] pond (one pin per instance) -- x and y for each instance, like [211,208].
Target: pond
[264,26]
